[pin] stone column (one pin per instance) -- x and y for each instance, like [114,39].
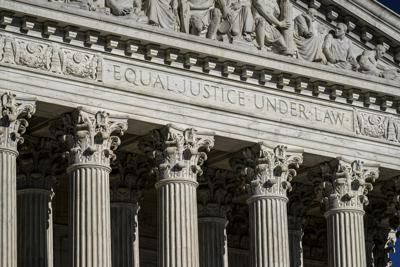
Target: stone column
[90,143]
[38,164]
[12,126]
[213,199]
[178,154]
[268,173]
[295,242]
[345,197]
[127,183]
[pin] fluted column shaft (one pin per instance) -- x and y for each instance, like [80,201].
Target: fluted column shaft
[90,225]
[178,227]
[178,154]
[296,247]
[269,237]
[268,171]
[12,126]
[346,196]
[35,228]
[90,139]
[125,234]
[346,240]
[213,242]
[8,208]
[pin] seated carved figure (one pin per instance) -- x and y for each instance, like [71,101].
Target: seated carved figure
[238,19]
[124,7]
[338,49]
[266,16]
[307,38]
[200,17]
[163,14]
[369,63]
[84,4]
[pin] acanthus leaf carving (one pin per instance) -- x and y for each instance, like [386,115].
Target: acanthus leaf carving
[215,192]
[39,163]
[178,153]
[268,171]
[13,121]
[89,138]
[131,174]
[349,184]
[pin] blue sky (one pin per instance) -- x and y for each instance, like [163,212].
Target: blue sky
[396,258]
[392,4]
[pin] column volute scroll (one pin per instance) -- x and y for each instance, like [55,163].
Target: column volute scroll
[178,155]
[13,124]
[39,164]
[345,188]
[89,140]
[268,172]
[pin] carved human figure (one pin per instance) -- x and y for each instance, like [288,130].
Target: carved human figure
[238,20]
[338,49]
[91,5]
[370,63]
[200,17]
[307,38]
[163,14]
[269,25]
[124,7]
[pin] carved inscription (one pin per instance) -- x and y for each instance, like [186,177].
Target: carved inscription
[225,97]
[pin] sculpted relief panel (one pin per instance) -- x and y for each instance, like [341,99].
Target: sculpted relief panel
[49,57]
[270,25]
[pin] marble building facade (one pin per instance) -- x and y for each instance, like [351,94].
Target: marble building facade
[176,133]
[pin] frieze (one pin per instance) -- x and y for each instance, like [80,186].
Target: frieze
[50,57]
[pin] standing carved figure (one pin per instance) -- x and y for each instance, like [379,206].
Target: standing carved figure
[200,17]
[269,29]
[238,19]
[370,63]
[163,14]
[338,49]
[124,7]
[307,38]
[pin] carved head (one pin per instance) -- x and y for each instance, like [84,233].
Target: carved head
[312,13]
[340,30]
[380,51]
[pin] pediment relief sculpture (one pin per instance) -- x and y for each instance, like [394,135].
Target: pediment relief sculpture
[275,26]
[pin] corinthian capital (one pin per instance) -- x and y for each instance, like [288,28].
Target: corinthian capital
[215,192]
[179,153]
[129,177]
[267,170]
[348,183]
[89,138]
[13,121]
[40,161]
